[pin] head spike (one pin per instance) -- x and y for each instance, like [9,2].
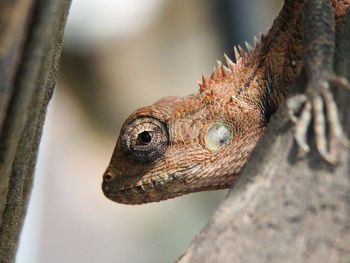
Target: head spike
[205,81]
[219,63]
[249,47]
[229,62]
[204,85]
[220,73]
[224,70]
[241,51]
[213,74]
[256,42]
[237,55]
[201,87]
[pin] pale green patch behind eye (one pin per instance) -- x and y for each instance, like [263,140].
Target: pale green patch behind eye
[217,136]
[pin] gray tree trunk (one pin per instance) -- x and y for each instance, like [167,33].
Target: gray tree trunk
[285,209]
[30,45]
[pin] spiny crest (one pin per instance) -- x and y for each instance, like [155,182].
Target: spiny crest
[249,47]
[205,84]
[221,71]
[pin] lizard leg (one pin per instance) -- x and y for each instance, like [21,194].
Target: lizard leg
[294,105]
[324,144]
[326,124]
[319,42]
[302,122]
[327,128]
[333,119]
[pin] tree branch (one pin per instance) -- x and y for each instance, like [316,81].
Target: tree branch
[281,208]
[30,52]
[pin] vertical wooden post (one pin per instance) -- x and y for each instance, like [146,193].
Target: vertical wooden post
[31,34]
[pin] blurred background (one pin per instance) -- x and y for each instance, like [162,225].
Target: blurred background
[120,55]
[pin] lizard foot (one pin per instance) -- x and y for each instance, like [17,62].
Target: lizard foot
[319,108]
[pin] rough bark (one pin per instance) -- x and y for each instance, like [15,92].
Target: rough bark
[30,47]
[285,209]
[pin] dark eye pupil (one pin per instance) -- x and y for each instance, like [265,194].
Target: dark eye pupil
[145,137]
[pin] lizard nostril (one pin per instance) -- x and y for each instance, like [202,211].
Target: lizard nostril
[107,177]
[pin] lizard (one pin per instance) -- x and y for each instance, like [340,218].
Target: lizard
[181,145]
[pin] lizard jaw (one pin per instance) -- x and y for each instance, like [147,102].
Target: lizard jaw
[145,189]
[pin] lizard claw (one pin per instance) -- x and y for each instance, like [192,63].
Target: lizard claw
[319,108]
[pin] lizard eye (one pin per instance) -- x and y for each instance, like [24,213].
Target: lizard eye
[145,139]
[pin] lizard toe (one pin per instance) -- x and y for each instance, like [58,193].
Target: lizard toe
[318,110]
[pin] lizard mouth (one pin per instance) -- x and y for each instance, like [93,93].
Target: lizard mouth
[142,189]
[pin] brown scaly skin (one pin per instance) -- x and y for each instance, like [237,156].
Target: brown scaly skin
[162,152]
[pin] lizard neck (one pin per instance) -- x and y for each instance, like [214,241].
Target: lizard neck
[261,76]
[278,59]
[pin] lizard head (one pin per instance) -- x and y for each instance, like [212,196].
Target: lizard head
[200,142]
[182,145]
